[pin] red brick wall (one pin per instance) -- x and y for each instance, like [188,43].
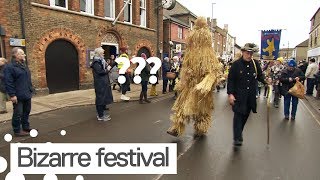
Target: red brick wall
[44,25]
[174,33]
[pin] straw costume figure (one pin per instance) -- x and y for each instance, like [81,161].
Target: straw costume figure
[198,77]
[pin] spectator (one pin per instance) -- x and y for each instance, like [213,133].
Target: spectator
[3,94]
[19,87]
[312,69]
[102,86]
[288,78]
[144,81]
[165,69]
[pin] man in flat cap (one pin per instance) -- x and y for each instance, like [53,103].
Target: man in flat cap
[243,77]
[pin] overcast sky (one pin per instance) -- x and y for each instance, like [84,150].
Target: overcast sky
[246,17]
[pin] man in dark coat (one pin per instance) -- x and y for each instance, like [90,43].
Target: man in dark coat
[102,85]
[288,78]
[165,69]
[242,83]
[19,87]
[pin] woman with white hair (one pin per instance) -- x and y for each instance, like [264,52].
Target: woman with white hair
[102,86]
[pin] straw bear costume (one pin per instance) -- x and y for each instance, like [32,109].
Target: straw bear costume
[199,75]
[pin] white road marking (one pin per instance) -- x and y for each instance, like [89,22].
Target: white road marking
[314,116]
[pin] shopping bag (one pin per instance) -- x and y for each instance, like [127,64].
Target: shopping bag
[297,90]
[171,75]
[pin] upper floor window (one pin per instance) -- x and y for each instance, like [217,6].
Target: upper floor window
[87,6]
[191,25]
[143,14]
[128,12]
[59,3]
[310,40]
[315,37]
[109,6]
[180,32]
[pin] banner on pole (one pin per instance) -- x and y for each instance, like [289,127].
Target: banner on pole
[270,41]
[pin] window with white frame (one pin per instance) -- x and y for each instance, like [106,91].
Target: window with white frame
[128,12]
[109,6]
[143,14]
[180,32]
[59,3]
[87,6]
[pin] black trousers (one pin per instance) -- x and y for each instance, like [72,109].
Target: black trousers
[239,121]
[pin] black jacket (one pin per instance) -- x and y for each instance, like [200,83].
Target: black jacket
[18,80]
[2,86]
[284,79]
[242,83]
[102,84]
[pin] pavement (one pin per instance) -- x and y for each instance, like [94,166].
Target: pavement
[45,103]
[51,102]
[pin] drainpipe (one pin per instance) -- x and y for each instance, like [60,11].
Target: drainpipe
[23,31]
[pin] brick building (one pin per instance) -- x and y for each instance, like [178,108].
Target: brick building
[314,39]
[301,50]
[61,34]
[176,26]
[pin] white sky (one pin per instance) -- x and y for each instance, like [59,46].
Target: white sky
[246,17]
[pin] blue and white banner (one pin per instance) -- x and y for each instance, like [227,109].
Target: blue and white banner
[270,41]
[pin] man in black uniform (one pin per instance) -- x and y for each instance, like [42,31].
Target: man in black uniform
[241,89]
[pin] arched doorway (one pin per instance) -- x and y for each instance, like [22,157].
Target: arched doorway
[110,44]
[145,51]
[62,67]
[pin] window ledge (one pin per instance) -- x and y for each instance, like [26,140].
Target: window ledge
[88,15]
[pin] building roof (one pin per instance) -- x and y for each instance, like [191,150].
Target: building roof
[179,9]
[315,13]
[175,20]
[303,44]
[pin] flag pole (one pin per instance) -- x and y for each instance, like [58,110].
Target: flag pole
[268,113]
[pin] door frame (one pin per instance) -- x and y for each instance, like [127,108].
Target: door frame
[111,44]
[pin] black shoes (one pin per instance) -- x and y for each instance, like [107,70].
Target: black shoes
[293,118]
[21,134]
[286,118]
[173,133]
[237,143]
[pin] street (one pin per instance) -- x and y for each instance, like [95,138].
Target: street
[293,153]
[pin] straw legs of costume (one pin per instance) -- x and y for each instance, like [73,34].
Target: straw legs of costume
[201,125]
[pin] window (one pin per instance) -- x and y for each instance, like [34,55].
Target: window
[191,25]
[87,6]
[143,16]
[59,3]
[128,12]
[315,36]
[109,7]
[180,32]
[311,40]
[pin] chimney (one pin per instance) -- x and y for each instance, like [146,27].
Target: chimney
[208,22]
[214,22]
[225,27]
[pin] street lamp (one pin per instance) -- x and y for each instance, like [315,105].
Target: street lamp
[212,9]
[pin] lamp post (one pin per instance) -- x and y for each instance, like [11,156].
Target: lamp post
[212,10]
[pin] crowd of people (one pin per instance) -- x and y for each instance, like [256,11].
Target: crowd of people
[244,78]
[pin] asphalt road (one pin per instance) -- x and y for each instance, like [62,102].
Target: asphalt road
[293,153]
